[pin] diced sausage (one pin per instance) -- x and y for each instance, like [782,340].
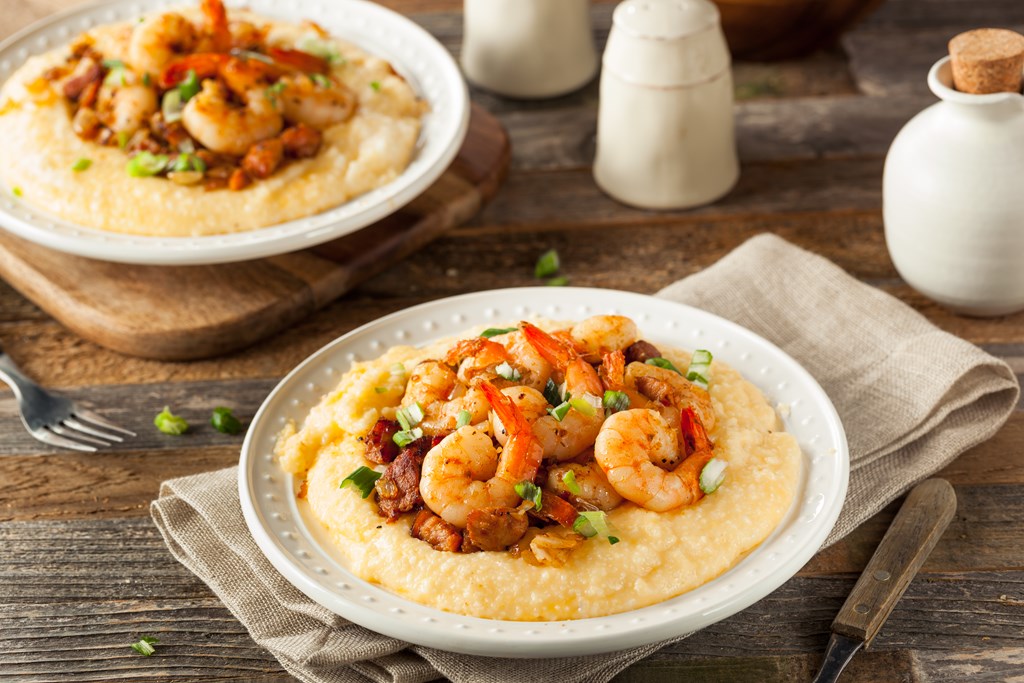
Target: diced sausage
[438,533]
[239,180]
[398,489]
[380,442]
[495,528]
[263,158]
[301,141]
[85,73]
[641,352]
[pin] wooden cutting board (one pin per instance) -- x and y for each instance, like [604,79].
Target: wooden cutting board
[190,312]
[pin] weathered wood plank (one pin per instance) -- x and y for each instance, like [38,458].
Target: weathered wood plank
[907,15]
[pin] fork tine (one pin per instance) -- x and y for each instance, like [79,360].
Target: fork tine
[73,433]
[100,421]
[84,428]
[46,436]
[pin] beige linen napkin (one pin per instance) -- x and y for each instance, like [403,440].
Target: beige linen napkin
[911,398]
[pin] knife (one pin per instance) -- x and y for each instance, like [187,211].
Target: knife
[913,533]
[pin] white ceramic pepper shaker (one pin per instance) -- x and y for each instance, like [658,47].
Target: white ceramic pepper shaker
[528,48]
[665,130]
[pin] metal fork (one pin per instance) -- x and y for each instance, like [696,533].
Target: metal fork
[57,420]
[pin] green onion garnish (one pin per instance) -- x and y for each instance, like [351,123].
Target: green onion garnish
[595,523]
[410,416]
[145,164]
[122,139]
[113,63]
[172,105]
[147,80]
[508,372]
[569,479]
[529,491]
[321,80]
[464,417]
[398,372]
[495,331]
[700,363]
[559,411]
[169,423]
[583,406]
[560,281]
[145,645]
[321,49]
[224,421]
[663,363]
[16,191]
[551,393]
[407,436]
[547,264]
[375,85]
[712,475]
[81,164]
[381,390]
[615,401]
[188,162]
[273,91]
[116,76]
[190,86]
[363,478]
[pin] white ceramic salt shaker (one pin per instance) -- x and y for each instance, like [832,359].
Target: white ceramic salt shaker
[665,130]
[953,199]
[528,48]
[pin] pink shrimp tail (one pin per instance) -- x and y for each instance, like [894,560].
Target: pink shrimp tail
[522,454]
[491,351]
[613,370]
[555,351]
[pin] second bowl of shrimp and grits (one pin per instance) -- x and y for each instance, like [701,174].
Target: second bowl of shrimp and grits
[544,470]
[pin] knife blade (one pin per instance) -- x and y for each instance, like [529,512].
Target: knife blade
[918,526]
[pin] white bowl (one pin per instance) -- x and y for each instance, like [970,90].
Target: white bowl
[296,544]
[414,53]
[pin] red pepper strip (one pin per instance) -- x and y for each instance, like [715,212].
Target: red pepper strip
[297,59]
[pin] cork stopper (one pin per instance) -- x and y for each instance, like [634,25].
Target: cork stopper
[987,60]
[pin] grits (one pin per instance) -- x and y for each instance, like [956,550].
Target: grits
[659,556]
[39,148]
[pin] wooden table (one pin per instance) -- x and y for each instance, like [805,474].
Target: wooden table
[83,571]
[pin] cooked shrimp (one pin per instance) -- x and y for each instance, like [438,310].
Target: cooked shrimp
[437,389]
[600,334]
[464,472]
[158,39]
[531,365]
[124,108]
[630,444]
[613,377]
[590,480]
[581,381]
[671,390]
[224,127]
[216,18]
[559,440]
[476,358]
[319,103]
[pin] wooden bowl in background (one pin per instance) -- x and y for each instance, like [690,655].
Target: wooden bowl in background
[786,29]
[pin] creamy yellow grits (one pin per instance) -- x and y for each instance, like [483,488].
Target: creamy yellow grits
[38,148]
[659,556]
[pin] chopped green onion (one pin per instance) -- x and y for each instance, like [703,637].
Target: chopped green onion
[113,63]
[410,416]
[663,363]
[169,423]
[712,475]
[615,401]
[116,76]
[508,372]
[323,50]
[172,105]
[145,164]
[559,411]
[224,422]
[273,91]
[147,80]
[16,191]
[188,162]
[595,523]
[122,139]
[363,478]
[583,406]
[407,436]
[700,363]
[560,281]
[190,86]
[381,390]
[81,164]
[551,392]
[547,264]
[495,331]
[464,418]
[321,80]
[398,372]
[531,492]
[145,645]
[375,85]
[569,479]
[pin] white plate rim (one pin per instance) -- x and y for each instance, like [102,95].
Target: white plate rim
[813,515]
[414,53]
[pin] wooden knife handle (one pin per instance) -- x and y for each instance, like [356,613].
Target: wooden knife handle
[917,528]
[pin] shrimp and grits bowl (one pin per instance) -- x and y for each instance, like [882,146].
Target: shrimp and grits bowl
[197,120]
[543,471]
